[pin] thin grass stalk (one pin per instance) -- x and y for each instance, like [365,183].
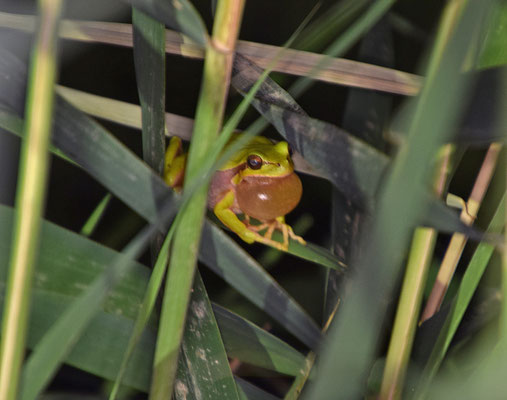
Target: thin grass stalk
[467,288]
[130,115]
[503,315]
[329,25]
[294,62]
[459,240]
[150,297]
[353,338]
[149,62]
[209,115]
[96,215]
[30,198]
[409,305]
[306,371]
[343,43]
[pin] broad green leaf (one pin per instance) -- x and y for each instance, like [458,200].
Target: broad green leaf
[43,362]
[352,340]
[242,272]
[252,392]
[69,264]
[95,217]
[354,167]
[31,193]
[146,308]
[365,116]
[480,124]
[105,158]
[177,14]
[149,61]
[203,367]
[92,147]
[494,48]
[467,289]
[328,26]
[254,347]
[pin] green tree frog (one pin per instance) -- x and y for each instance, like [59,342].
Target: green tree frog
[257,182]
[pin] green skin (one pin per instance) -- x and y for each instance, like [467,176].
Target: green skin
[259,182]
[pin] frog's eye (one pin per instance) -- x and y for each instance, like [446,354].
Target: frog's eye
[254,161]
[291,152]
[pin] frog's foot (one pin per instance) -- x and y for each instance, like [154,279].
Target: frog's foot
[280,225]
[174,164]
[255,228]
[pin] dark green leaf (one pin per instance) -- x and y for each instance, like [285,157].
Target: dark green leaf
[494,48]
[353,339]
[109,161]
[149,60]
[177,14]
[253,345]
[69,264]
[350,164]
[252,392]
[203,367]
[242,272]
[366,114]
[467,289]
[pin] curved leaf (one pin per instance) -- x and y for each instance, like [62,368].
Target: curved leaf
[177,14]
[353,166]
[69,264]
[249,343]
[203,367]
[242,272]
[252,392]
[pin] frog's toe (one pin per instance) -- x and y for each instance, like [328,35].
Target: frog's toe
[295,237]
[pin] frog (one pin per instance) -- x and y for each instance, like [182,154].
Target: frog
[258,182]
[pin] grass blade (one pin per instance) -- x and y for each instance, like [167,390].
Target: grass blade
[252,392]
[493,51]
[94,219]
[69,264]
[253,345]
[149,60]
[180,15]
[468,287]
[203,365]
[243,273]
[30,197]
[328,26]
[338,71]
[210,109]
[345,364]
[352,166]
[150,296]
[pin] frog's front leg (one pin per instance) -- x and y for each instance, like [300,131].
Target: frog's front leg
[230,219]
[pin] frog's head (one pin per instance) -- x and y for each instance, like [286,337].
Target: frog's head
[267,186]
[261,157]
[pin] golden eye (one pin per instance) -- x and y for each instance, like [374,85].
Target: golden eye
[254,161]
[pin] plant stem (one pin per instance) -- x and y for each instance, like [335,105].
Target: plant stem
[30,197]
[209,115]
[459,240]
[409,305]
